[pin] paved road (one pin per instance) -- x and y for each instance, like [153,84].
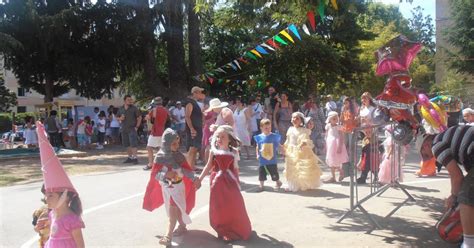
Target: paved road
[114,218]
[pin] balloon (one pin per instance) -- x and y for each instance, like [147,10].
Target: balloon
[396,55]
[432,113]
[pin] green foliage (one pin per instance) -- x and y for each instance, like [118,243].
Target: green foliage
[461,36]
[7,98]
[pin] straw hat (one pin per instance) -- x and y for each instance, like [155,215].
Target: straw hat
[215,104]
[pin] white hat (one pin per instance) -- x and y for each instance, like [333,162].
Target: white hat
[330,115]
[178,102]
[216,103]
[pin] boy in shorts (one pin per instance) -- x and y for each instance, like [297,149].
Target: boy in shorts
[267,150]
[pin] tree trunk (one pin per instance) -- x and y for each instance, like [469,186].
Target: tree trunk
[194,40]
[175,47]
[148,45]
[48,90]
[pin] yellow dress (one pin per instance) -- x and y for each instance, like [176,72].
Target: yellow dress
[302,169]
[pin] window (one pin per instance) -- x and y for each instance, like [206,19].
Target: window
[21,91]
[21,109]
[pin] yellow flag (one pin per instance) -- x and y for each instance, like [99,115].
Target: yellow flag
[334,4]
[256,53]
[287,35]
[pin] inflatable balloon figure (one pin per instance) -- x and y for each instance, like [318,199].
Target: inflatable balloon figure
[394,59]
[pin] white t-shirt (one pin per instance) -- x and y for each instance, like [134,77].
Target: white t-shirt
[114,122]
[366,113]
[101,125]
[179,114]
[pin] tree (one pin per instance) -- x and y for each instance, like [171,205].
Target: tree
[7,98]
[461,35]
[194,39]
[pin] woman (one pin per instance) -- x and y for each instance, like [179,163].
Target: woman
[242,117]
[316,113]
[366,110]
[282,115]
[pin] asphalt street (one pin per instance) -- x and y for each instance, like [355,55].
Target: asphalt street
[114,218]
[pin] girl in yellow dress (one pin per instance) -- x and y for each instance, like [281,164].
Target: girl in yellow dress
[302,169]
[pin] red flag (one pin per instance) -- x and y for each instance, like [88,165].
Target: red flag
[311,20]
[272,43]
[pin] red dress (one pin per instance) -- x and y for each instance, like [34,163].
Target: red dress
[226,207]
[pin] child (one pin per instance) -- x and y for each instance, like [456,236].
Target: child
[31,138]
[64,219]
[89,130]
[41,214]
[71,133]
[267,150]
[336,153]
[387,174]
[171,183]
[227,212]
[101,130]
[81,134]
[301,164]
[369,158]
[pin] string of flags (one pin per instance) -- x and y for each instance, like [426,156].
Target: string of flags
[285,37]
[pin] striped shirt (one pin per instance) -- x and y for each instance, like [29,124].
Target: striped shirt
[456,143]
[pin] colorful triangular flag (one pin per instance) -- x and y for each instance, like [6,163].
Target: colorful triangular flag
[279,39]
[256,53]
[272,43]
[306,30]
[334,4]
[237,64]
[267,47]
[287,35]
[261,50]
[311,19]
[321,8]
[250,55]
[294,30]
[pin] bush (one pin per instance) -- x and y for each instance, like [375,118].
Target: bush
[5,122]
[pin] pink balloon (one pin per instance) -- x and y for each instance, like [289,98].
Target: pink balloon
[424,101]
[436,117]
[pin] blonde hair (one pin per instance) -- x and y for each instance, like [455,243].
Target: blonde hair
[264,122]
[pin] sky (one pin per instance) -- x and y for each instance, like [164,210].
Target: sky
[429,7]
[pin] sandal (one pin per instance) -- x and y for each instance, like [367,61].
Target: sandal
[341,177]
[260,189]
[180,230]
[331,180]
[278,186]
[165,240]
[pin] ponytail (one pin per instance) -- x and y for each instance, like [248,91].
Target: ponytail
[75,204]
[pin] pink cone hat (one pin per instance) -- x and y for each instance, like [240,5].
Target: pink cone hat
[54,175]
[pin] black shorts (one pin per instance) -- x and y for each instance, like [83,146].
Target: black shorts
[195,142]
[271,169]
[466,195]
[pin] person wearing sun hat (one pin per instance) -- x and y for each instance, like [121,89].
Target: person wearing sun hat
[158,116]
[225,116]
[62,198]
[172,183]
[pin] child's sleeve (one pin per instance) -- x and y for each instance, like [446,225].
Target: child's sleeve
[73,222]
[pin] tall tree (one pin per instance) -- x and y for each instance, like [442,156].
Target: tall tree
[7,98]
[177,73]
[194,39]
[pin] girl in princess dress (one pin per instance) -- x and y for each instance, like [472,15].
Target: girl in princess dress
[227,212]
[302,169]
[336,153]
[386,172]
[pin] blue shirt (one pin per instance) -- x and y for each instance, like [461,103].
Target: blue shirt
[267,148]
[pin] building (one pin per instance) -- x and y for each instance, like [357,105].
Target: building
[32,101]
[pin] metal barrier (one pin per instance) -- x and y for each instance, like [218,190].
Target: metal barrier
[374,136]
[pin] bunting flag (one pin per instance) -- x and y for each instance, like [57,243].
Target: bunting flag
[279,39]
[321,8]
[256,53]
[306,30]
[284,33]
[250,55]
[267,47]
[272,43]
[294,30]
[261,50]
[311,19]
[334,4]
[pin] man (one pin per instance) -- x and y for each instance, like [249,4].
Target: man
[330,105]
[468,115]
[158,116]
[178,115]
[456,146]
[131,119]
[53,128]
[270,102]
[194,117]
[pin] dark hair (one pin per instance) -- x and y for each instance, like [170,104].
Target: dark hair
[70,121]
[96,108]
[126,96]
[351,105]
[29,119]
[87,120]
[53,112]
[75,203]
[102,114]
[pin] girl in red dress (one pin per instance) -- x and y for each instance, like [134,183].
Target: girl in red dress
[226,205]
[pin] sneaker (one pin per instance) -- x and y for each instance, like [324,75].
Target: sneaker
[147,167]
[99,147]
[134,161]
[360,180]
[128,161]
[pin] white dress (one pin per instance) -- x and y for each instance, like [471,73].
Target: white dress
[30,136]
[241,126]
